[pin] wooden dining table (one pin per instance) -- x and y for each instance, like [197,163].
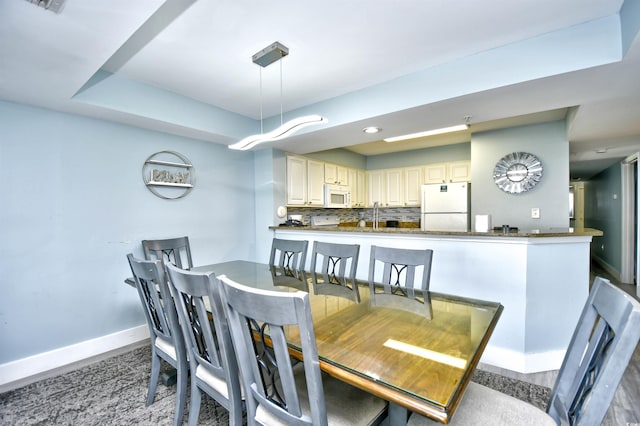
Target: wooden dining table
[396,353]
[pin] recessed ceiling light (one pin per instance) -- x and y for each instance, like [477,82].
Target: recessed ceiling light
[601,150]
[372,130]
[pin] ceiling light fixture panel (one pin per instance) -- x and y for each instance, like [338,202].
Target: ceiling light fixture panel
[450,129]
[281,132]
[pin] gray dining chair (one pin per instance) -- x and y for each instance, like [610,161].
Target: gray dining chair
[403,272]
[174,250]
[279,390]
[166,337]
[603,342]
[212,362]
[336,273]
[287,261]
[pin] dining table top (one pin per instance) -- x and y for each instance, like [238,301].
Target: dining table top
[397,353]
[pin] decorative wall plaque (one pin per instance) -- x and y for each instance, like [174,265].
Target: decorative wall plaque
[168,175]
[517,172]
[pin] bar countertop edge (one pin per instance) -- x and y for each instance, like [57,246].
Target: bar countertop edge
[533,233]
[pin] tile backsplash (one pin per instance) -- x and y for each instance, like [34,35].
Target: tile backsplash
[401,214]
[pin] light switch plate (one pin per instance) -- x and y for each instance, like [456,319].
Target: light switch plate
[535,213]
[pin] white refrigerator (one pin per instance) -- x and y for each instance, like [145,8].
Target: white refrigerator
[446,207]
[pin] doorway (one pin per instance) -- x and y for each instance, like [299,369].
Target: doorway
[630,234]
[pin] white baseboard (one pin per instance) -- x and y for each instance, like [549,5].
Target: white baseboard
[19,371]
[522,363]
[607,267]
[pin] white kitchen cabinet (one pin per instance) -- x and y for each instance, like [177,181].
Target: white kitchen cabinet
[358,189]
[435,173]
[386,187]
[376,191]
[315,183]
[394,188]
[456,171]
[335,174]
[459,171]
[412,186]
[305,182]
[361,184]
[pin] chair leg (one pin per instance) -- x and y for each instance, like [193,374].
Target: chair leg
[153,380]
[194,405]
[181,394]
[235,414]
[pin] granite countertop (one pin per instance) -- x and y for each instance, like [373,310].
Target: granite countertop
[532,233]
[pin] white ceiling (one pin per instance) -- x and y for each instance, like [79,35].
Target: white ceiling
[185,67]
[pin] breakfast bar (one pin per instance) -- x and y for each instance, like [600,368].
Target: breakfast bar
[541,277]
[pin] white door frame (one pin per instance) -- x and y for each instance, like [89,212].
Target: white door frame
[629,201]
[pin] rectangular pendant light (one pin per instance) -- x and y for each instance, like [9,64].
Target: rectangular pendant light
[428,133]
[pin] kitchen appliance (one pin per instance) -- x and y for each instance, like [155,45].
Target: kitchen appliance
[293,220]
[327,221]
[337,196]
[446,207]
[483,222]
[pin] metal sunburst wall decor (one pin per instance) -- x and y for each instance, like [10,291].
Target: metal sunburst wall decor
[517,172]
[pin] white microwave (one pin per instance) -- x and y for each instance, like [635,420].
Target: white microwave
[337,196]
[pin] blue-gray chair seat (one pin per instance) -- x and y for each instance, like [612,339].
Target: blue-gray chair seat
[346,405]
[483,406]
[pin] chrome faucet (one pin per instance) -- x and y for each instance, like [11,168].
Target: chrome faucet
[375,215]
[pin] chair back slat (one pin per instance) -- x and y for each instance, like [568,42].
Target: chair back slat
[155,296]
[406,273]
[337,269]
[603,342]
[176,251]
[287,261]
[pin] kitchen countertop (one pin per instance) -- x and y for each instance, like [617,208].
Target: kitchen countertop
[532,233]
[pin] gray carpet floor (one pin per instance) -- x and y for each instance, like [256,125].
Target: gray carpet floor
[113,392]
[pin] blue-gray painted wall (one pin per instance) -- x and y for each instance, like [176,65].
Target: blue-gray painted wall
[548,142]
[74,204]
[603,211]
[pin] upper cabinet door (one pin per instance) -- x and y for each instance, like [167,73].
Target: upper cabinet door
[337,175]
[361,184]
[455,171]
[459,171]
[357,188]
[330,173]
[435,173]
[412,186]
[395,189]
[315,186]
[376,187]
[296,181]
[305,182]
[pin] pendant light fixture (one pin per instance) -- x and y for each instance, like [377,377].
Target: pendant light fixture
[264,58]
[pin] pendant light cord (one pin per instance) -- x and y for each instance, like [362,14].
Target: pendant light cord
[261,128]
[281,92]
